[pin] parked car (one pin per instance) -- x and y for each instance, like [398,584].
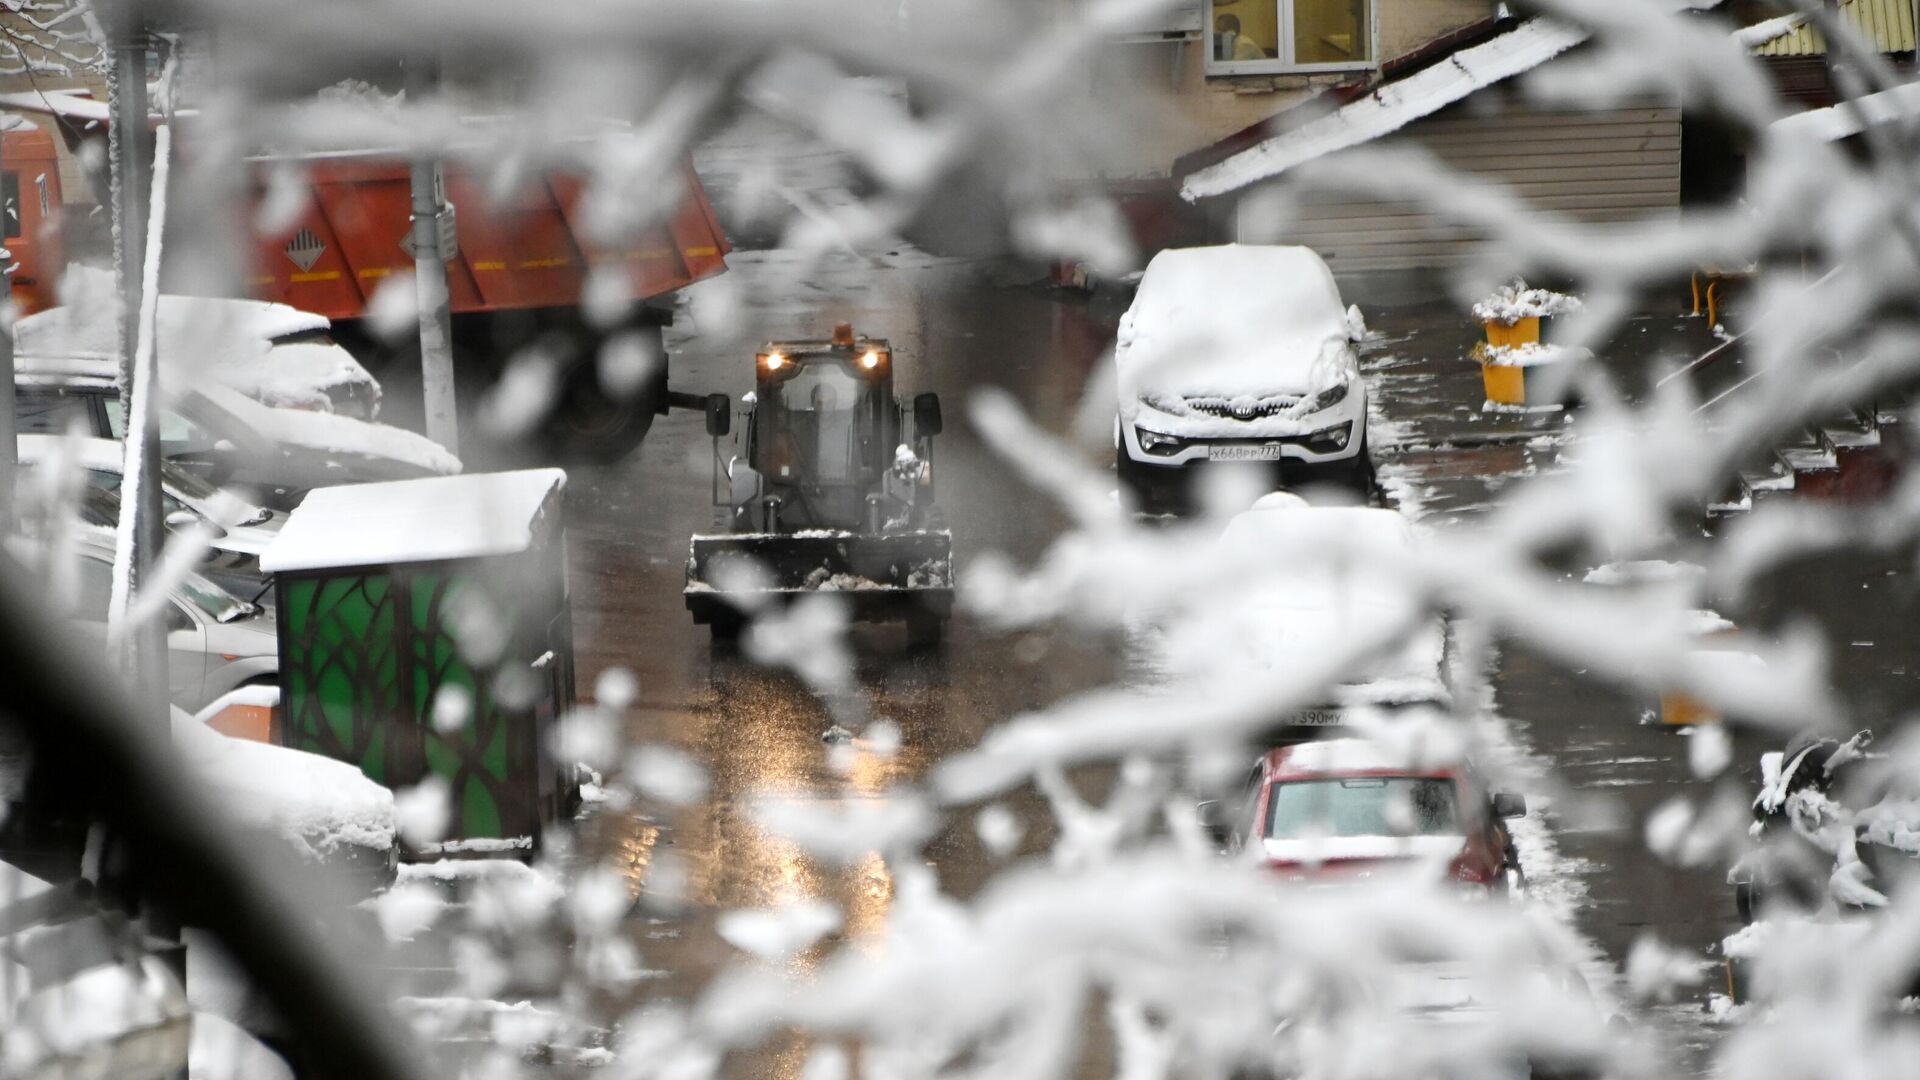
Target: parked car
[230,439]
[1345,809]
[1306,583]
[216,641]
[186,498]
[273,353]
[1239,353]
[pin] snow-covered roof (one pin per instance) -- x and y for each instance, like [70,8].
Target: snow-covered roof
[323,433]
[1390,107]
[1843,120]
[76,104]
[409,521]
[1237,319]
[83,326]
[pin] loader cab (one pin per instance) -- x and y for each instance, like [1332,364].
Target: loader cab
[824,424]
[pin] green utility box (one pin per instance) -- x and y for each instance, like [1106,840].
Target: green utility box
[425,630]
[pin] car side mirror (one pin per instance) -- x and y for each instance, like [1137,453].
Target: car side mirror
[926,414]
[1508,805]
[719,414]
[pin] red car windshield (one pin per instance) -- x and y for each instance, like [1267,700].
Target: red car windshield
[1363,806]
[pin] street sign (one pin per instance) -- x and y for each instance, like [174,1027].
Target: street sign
[446,236]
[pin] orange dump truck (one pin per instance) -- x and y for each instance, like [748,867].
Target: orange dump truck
[519,272]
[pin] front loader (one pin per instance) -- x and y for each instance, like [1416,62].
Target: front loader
[830,491]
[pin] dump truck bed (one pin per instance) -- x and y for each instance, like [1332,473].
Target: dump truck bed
[878,575]
[528,252]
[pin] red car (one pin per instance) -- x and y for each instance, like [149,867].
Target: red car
[1345,808]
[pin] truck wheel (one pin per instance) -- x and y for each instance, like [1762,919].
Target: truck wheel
[589,424]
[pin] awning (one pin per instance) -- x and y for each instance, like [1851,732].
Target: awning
[1843,120]
[1391,106]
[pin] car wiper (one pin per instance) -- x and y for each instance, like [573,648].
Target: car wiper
[260,518]
[239,611]
[265,588]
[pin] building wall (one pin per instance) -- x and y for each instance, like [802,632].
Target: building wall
[1592,165]
[1205,109]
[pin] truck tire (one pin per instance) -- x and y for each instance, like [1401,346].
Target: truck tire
[591,425]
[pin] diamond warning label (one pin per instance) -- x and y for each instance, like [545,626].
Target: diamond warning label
[305,249]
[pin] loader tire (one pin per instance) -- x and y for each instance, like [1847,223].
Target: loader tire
[726,628]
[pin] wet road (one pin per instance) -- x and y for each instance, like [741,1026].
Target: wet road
[954,327]
[1592,768]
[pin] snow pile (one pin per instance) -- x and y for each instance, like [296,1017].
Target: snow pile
[1532,354]
[1232,322]
[1512,302]
[322,806]
[78,1017]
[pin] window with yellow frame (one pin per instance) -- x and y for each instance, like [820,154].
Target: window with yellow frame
[1263,36]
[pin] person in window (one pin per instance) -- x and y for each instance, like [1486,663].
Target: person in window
[1233,45]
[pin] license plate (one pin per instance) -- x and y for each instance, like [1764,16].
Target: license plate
[1319,718]
[1243,453]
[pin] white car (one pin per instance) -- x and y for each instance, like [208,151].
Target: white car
[238,526]
[1240,353]
[216,641]
[1313,584]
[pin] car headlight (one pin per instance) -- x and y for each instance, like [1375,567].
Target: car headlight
[1155,443]
[1331,396]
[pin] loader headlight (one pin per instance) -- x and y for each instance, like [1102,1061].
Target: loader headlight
[1155,443]
[774,363]
[873,361]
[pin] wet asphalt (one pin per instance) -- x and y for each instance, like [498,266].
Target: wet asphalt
[1592,765]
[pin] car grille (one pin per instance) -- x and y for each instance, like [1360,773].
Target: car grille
[1241,408]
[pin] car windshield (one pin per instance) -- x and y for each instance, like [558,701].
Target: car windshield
[812,421]
[1363,806]
[214,600]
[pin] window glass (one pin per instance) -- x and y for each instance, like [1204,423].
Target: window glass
[212,599]
[1246,30]
[45,411]
[812,422]
[1384,806]
[175,430]
[1329,31]
[96,589]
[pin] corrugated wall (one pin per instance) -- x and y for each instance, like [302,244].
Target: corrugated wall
[1591,165]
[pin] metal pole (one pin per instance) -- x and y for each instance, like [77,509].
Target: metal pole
[8,457]
[432,241]
[128,149]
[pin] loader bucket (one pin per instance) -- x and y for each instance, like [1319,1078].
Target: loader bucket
[880,575]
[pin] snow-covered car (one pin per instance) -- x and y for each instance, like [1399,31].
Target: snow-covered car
[216,641]
[1308,582]
[277,454]
[275,354]
[1239,353]
[1344,809]
[187,498]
